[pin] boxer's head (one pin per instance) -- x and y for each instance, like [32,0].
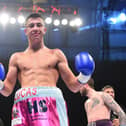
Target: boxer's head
[35,30]
[109,89]
[84,89]
[91,82]
[34,16]
[30,22]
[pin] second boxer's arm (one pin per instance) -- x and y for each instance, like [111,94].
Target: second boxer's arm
[11,77]
[114,106]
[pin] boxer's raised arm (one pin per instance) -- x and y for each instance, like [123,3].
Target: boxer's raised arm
[11,77]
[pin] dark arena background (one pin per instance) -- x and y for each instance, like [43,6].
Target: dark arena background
[100,30]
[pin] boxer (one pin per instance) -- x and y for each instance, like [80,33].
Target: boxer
[39,101]
[99,105]
[113,116]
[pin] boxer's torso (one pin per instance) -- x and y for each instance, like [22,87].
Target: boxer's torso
[41,70]
[96,109]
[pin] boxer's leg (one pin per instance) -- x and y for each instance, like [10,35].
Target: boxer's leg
[19,115]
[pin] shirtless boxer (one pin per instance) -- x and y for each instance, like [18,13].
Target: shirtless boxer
[113,116]
[99,105]
[39,102]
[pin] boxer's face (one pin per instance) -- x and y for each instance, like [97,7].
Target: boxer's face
[35,29]
[110,91]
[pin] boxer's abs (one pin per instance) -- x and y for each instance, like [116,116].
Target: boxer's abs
[39,79]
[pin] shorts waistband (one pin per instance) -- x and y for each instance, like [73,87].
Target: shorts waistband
[94,123]
[30,92]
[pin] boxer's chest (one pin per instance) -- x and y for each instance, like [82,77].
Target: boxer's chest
[37,62]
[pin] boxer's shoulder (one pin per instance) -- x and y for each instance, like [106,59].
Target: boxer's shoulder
[15,57]
[52,51]
[59,53]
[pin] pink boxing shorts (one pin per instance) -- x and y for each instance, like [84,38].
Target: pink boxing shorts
[39,106]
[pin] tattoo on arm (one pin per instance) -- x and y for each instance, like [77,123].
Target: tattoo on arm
[114,106]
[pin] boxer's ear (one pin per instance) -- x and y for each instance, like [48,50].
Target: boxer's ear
[45,30]
[25,30]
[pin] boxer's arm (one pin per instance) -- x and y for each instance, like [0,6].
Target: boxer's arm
[115,107]
[66,73]
[11,77]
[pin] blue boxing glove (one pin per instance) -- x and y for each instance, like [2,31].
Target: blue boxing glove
[85,65]
[2,76]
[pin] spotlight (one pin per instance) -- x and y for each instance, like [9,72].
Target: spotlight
[122,17]
[12,20]
[21,19]
[48,20]
[56,22]
[112,20]
[78,22]
[4,18]
[64,21]
[72,23]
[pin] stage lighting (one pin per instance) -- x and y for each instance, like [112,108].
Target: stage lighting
[78,22]
[122,17]
[48,20]
[21,19]
[64,21]
[56,22]
[12,20]
[4,18]
[112,20]
[72,23]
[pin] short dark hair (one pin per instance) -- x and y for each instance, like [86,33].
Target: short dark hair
[106,87]
[33,15]
[91,82]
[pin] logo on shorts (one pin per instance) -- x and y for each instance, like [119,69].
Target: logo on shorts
[25,92]
[15,113]
[37,106]
[16,121]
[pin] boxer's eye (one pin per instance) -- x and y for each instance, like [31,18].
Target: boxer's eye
[32,25]
[39,25]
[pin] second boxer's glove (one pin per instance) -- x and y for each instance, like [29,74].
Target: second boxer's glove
[85,65]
